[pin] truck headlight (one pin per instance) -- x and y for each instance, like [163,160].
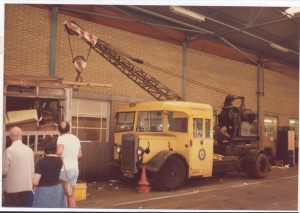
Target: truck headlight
[118,149]
[140,151]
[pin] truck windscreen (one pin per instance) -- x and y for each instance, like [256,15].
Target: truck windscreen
[125,121]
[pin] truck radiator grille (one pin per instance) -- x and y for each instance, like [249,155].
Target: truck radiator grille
[129,156]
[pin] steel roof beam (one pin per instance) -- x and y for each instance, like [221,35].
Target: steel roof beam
[97,14]
[237,49]
[127,19]
[247,33]
[261,24]
[194,28]
[140,21]
[242,27]
[186,24]
[148,12]
[208,18]
[252,20]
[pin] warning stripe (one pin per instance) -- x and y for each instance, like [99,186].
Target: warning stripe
[83,34]
[79,65]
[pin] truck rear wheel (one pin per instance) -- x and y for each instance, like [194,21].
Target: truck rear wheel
[259,168]
[172,175]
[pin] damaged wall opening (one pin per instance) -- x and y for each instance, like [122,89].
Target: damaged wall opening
[32,114]
[45,110]
[37,110]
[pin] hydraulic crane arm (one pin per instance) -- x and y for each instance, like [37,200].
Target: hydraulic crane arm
[140,77]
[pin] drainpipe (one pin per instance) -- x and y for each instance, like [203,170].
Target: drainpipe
[54,14]
[258,92]
[4,119]
[184,45]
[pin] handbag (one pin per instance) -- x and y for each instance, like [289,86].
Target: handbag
[67,186]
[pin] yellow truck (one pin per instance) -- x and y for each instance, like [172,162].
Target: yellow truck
[173,141]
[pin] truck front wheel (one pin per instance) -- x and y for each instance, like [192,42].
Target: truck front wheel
[172,175]
[259,168]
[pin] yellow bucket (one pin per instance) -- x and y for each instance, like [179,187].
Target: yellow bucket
[80,191]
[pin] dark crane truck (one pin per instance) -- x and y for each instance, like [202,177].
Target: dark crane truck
[173,140]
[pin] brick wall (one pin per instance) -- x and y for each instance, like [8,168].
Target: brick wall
[27,50]
[26,40]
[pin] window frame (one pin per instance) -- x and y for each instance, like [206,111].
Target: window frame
[209,129]
[134,115]
[274,134]
[138,114]
[295,129]
[103,131]
[202,134]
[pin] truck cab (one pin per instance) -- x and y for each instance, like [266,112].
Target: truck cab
[172,140]
[154,134]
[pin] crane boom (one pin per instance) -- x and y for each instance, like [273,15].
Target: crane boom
[138,75]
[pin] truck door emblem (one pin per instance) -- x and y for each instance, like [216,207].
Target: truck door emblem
[201,154]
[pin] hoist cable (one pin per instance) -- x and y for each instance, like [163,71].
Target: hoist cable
[70,47]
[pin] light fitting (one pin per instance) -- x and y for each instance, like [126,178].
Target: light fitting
[278,47]
[268,121]
[187,13]
[292,10]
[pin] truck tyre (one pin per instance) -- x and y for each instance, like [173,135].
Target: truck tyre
[172,175]
[260,167]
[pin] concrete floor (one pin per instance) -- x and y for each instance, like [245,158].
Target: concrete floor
[279,191]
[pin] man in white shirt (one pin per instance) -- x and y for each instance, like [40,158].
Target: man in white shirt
[18,169]
[69,148]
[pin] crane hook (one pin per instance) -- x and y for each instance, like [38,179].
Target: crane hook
[79,64]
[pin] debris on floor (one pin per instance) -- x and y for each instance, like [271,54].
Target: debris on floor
[280,167]
[279,163]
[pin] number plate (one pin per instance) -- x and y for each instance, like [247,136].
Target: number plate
[128,174]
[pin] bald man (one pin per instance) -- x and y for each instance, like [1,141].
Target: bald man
[18,170]
[69,148]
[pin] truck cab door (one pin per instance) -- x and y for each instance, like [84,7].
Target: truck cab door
[201,148]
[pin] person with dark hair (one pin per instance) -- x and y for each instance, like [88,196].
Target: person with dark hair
[64,127]
[48,189]
[68,147]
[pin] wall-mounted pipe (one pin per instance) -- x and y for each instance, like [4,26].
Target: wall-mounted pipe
[184,46]
[258,93]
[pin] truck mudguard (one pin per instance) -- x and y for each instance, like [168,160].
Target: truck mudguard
[252,154]
[158,160]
